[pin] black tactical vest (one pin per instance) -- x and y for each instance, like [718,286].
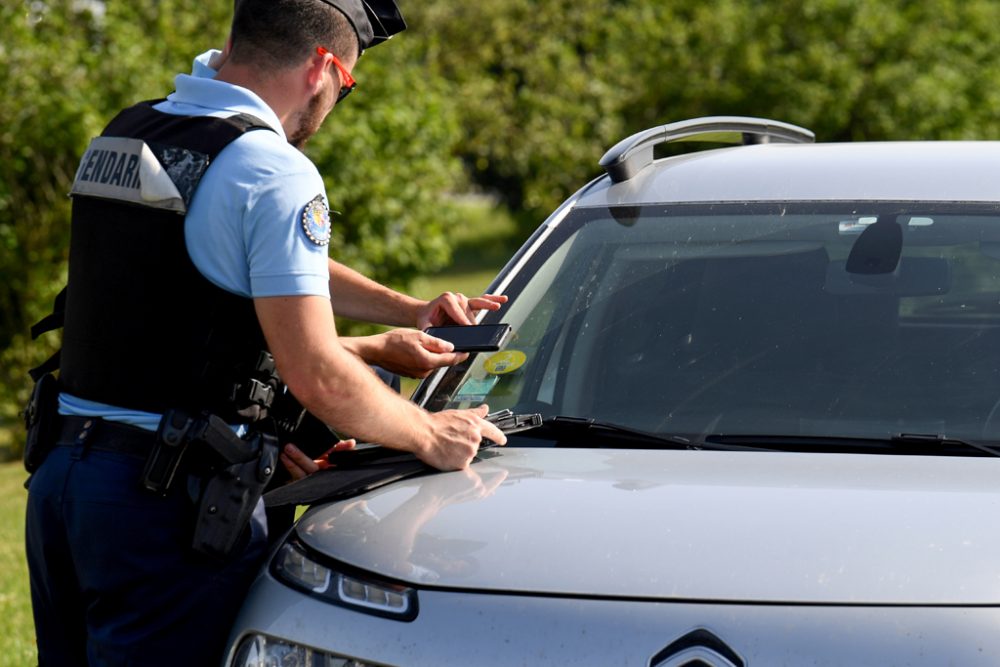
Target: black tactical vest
[143,328]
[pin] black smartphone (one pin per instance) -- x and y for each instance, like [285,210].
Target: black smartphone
[474,337]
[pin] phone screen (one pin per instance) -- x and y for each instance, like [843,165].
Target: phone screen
[473,338]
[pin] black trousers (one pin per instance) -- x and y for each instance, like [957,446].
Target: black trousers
[113,578]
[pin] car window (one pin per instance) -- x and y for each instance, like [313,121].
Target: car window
[851,319]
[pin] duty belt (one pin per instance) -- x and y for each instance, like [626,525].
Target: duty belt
[106,436]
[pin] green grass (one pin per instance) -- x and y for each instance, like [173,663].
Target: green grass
[17,641]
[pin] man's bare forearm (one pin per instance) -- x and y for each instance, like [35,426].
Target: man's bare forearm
[360,298]
[330,381]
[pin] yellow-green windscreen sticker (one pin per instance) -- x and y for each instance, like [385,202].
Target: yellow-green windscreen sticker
[504,362]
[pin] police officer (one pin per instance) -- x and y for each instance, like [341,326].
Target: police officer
[199,290]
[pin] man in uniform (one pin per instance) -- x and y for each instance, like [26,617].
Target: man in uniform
[199,292]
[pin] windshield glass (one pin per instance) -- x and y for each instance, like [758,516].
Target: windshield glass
[845,319]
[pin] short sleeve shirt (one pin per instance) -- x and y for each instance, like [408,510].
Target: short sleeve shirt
[258,224]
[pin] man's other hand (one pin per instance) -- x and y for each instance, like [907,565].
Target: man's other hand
[456,308]
[299,465]
[409,352]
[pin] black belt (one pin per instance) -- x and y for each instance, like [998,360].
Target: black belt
[106,436]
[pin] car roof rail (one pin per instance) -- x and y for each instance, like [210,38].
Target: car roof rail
[631,155]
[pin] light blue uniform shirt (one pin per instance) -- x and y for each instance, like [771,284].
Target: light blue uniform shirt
[244,229]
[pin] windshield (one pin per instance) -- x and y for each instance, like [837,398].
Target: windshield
[846,319]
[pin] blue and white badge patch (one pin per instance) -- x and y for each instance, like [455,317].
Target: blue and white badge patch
[316,221]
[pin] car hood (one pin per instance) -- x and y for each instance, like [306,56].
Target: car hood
[684,525]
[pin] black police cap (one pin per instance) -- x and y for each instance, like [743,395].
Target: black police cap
[374,21]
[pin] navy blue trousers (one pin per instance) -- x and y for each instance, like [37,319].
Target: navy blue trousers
[113,578]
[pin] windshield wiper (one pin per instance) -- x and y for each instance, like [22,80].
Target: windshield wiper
[508,422]
[940,441]
[586,432]
[900,443]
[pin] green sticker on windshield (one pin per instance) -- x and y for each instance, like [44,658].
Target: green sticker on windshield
[477,389]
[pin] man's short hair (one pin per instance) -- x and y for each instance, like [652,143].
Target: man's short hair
[279,34]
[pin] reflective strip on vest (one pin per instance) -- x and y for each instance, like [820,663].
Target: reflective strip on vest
[124,169]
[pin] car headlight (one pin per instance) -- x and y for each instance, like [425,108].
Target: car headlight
[263,651]
[295,566]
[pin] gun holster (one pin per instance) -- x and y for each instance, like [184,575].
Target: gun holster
[230,496]
[41,420]
[233,470]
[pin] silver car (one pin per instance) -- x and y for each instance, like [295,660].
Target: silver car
[754,398]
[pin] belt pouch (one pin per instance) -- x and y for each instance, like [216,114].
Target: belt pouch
[41,419]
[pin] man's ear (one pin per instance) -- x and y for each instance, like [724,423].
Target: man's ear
[316,69]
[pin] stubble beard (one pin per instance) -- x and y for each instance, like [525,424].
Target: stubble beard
[311,118]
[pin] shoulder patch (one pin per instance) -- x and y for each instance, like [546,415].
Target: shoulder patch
[316,221]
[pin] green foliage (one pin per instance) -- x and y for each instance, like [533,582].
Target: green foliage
[537,83]
[66,67]
[848,69]
[547,87]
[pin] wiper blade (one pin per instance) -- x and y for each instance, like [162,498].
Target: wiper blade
[941,441]
[508,422]
[586,432]
[900,443]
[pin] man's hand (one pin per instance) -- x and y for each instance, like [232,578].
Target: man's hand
[299,465]
[360,298]
[455,439]
[456,436]
[456,308]
[406,352]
